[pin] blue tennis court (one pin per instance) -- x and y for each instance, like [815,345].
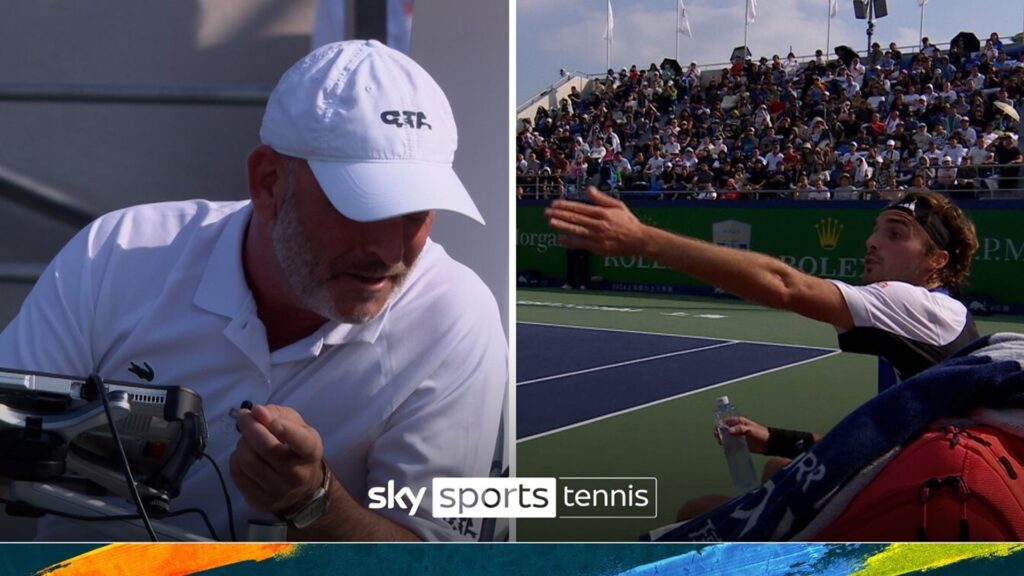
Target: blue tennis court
[569,376]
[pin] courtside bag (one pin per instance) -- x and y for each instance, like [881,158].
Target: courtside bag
[949,484]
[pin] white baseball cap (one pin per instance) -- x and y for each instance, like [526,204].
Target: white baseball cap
[377,131]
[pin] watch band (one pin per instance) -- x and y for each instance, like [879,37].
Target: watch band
[315,507]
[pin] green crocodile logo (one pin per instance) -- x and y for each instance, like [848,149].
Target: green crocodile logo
[144,373]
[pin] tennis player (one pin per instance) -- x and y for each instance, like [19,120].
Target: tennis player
[917,257]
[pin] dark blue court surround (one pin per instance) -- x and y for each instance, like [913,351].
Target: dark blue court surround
[545,351]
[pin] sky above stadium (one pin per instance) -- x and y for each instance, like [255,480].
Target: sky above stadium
[569,34]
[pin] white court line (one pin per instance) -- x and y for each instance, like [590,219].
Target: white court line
[675,335]
[659,401]
[627,362]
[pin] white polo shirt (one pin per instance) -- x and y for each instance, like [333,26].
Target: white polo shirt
[911,327]
[413,394]
[910,311]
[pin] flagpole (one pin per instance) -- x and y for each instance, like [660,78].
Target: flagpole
[828,28]
[920,29]
[678,17]
[608,34]
[746,22]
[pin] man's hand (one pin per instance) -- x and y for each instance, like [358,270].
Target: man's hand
[276,463]
[606,227]
[756,434]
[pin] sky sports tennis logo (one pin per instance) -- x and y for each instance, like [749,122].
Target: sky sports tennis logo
[566,497]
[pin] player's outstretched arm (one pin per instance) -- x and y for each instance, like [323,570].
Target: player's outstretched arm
[608,227]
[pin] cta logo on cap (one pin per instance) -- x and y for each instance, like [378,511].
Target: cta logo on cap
[412,119]
[376,130]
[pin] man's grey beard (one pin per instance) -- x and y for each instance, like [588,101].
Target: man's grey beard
[308,278]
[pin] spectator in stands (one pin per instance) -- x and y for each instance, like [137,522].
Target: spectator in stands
[791,65]
[875,56]
[976,81]
[672,145]
[1003,63]
[819,192]
[861,171]
[730,191]
[688,157]
[932,153]
[1008,156]
[668,178]
[876,127]
[857,70]
[521,164]
[580,149]
[846,190]
[892,122]
[717,146]
[945,175]
[925,170]
[579,172]
[954,150]
[691,77]
[967,134]
[851,154]
[778,180]
[928,49]
[966,180]
[704,175]
[706,191]
[888,154]
[687,179]
[610,138]
[597,153]
[871,191]
[790,158]
[757,174]
[990,51]
[885,175]
[532,163]
[621,166]
[978,153]
[653,169]
[946,68]
[918,183]
[643,111]
[887,64]
[995,42]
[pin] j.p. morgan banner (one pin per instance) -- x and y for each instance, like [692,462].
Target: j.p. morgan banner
[826,239]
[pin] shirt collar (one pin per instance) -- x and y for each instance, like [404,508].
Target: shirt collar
[223,289]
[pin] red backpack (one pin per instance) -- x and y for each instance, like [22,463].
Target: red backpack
[947,485]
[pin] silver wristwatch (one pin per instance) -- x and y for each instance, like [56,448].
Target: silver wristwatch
[315,508]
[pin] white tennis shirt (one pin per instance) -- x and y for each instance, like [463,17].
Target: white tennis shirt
[413,394]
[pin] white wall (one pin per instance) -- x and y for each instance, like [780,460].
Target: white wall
[464,46]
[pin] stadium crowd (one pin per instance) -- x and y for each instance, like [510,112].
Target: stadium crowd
[817,130]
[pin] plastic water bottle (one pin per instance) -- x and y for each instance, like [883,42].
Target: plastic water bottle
[737,455]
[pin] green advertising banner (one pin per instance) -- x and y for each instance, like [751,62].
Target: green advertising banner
[823,239]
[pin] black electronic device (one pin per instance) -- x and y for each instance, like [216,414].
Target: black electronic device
[54,428]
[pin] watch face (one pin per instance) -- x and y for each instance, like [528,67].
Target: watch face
[311,512]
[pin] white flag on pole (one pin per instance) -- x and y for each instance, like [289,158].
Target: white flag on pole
[834,9]
[684,22]
[751,11]
[611,22]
